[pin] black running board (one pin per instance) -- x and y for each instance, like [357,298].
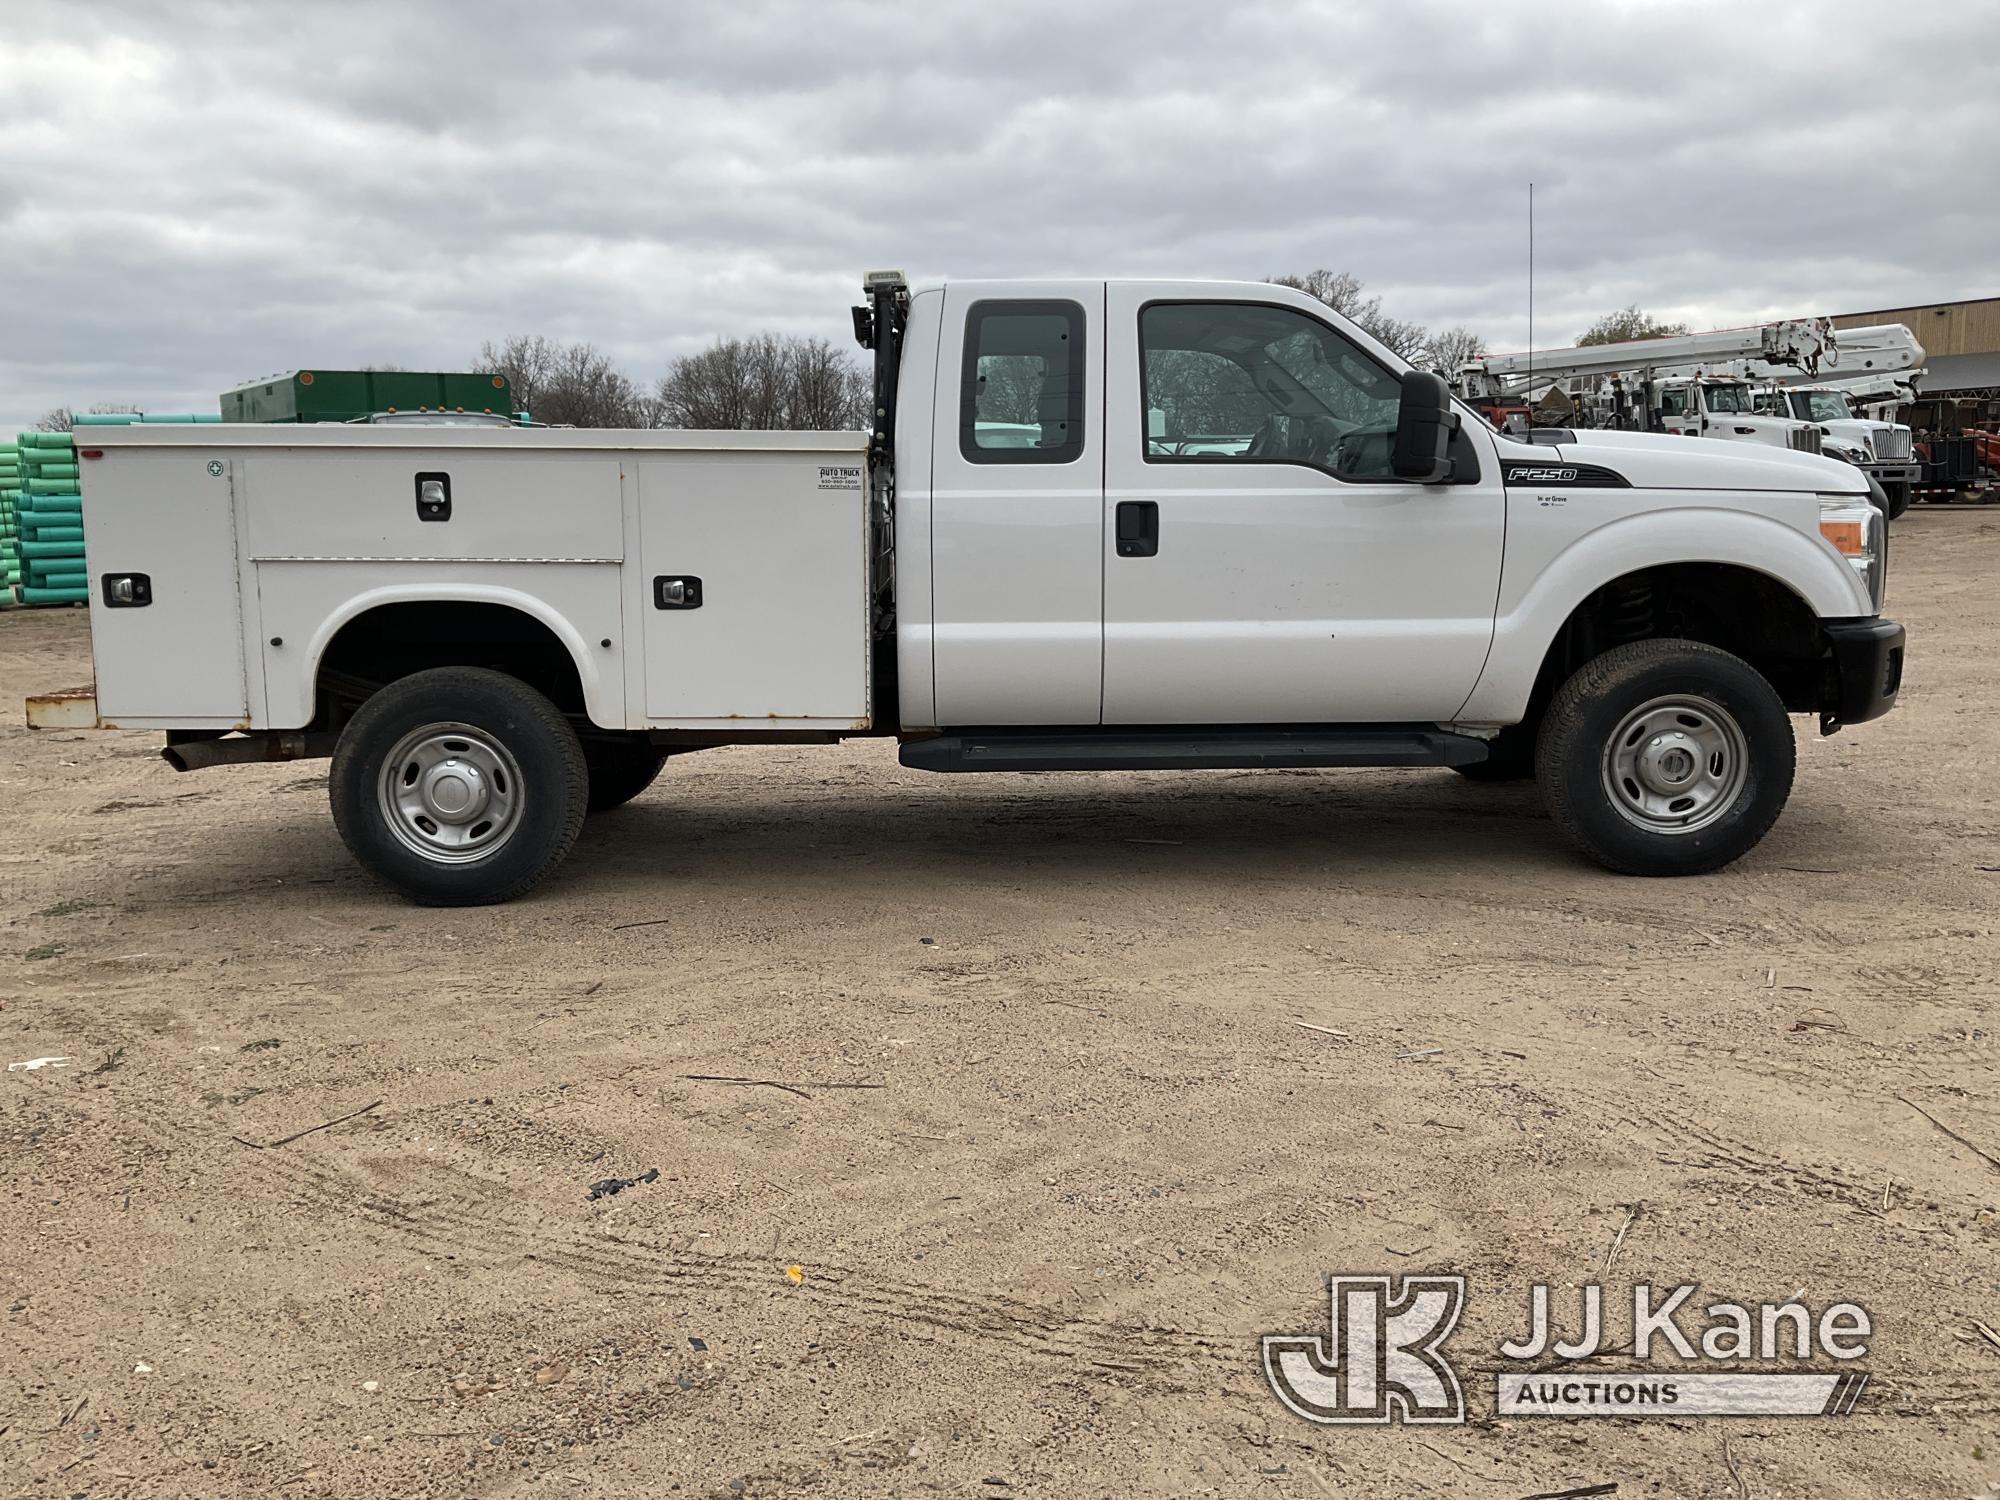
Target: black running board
[1227,748]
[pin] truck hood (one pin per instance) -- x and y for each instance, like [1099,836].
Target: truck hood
[1651,460]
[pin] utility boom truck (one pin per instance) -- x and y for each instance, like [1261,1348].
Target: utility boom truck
[1722,384]
[1631,367]
[1095,526]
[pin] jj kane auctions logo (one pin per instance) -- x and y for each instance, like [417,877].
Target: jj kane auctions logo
[1382,1358]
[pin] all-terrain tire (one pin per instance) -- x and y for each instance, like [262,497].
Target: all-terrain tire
[486,794]
[1665,757]
[620,770]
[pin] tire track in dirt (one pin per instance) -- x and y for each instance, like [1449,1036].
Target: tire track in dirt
[1712,1148]
[484,1220]
[464,1212]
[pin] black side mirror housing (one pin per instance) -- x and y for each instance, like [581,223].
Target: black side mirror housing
[1425,423]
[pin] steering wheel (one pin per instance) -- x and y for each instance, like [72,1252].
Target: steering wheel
[1267,441]
[1322,442]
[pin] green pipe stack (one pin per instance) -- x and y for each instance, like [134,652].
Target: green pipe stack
[41,511]
[10,527]
[48,510]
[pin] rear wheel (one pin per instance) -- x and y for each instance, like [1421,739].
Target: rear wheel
[620,770]
[458,786]
[1666,757]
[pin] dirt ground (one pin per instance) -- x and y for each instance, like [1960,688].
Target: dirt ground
[1012,1150]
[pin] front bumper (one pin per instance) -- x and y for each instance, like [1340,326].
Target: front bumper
[1861,671]
[1892,471]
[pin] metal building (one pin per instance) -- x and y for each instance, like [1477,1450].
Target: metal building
[1962,340]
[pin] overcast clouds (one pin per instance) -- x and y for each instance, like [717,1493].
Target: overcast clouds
[193,195]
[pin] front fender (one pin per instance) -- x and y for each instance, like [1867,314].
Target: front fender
[1541,584]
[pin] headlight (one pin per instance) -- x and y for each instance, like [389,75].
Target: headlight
[1856,527]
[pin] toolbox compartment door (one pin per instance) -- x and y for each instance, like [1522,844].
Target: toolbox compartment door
[328,504]
[754,588]
[176,659]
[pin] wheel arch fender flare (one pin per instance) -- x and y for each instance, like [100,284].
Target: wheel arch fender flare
[1524,629]
[603,696]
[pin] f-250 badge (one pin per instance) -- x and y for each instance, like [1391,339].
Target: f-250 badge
[1571,475]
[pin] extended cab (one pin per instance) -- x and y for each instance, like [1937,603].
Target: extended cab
[1097,525]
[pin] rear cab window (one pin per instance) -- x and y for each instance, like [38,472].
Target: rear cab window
[1021,388]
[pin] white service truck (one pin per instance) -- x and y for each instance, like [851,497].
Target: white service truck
[1726,383]
[1098,525]
[1885,450]
[1723,406]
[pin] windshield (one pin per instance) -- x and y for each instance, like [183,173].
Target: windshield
[1820,406]
[1729,398]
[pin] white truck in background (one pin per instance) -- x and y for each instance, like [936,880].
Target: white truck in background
[1885,450]
[1098,525]
[1727,383]
[1721,406]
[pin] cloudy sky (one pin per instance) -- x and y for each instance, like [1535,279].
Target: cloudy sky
[192,195]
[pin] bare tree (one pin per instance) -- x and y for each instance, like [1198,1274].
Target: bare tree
[764,382]
[585,389]
[1450,348]
[567,384]
[1627,324]
[1343,292]
[830,391]
[713,389]
[63,419]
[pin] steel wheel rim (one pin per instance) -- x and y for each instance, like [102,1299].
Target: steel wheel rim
[450,793]
[1676,764]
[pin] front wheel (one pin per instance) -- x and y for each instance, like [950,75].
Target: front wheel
[458,786]
[1666,757]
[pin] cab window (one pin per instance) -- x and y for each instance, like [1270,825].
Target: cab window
[1236,382]
[1021,396]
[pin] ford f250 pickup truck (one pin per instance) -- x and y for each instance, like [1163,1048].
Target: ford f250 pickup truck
[1096,525]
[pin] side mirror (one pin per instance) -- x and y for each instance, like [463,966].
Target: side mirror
[1156,422]
[1425,423]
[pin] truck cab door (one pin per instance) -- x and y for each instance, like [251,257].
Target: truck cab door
[1262,564]
[1680,410]
[1017,505]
